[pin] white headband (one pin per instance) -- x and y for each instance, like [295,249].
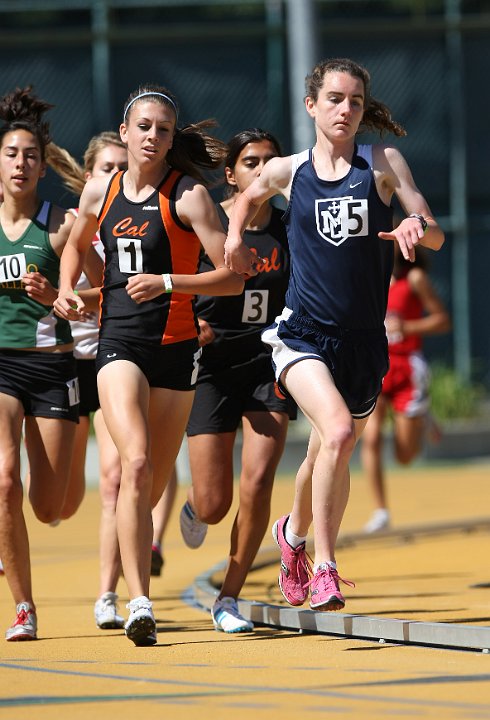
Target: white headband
[151,93]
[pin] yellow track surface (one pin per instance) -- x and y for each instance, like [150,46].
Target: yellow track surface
[437,573]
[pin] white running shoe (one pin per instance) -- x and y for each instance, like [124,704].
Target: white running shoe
[105,611]
[379,520]
[141,627]
[25,625]
[227,618]
[192,529]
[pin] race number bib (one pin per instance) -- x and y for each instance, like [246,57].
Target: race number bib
[12,267]
[130,255]
[255,306]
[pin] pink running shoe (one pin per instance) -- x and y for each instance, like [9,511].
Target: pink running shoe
[325,593]
[295,568]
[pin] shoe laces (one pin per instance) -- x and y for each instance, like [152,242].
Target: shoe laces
[190,513]
[303,561]
[22,617]
[328,575]
[196,524]
[300,559]
[108,598]
[139,603]
[228,604]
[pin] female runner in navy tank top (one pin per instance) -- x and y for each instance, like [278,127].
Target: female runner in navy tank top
[329,345]
[152,219]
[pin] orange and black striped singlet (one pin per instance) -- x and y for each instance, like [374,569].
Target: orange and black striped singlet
[146,237]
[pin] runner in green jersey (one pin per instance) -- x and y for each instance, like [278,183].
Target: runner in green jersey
[38,384]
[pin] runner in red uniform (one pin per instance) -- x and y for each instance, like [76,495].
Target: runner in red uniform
[414,311]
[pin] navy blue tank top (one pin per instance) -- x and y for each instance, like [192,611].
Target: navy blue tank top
[340,269]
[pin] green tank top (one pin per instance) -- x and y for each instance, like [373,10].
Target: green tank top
[24,322]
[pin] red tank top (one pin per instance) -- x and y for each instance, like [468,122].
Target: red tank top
[403,302]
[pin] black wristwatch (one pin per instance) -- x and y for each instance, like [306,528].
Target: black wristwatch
[421,219]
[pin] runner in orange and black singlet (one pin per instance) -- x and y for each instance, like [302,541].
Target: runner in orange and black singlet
[148,237]
[153,219]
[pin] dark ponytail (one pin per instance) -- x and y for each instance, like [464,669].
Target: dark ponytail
[21,110]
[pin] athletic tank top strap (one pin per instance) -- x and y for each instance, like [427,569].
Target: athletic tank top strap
[167,193]
[366,152]
[180,236]
[42,216]
[112,190]
[298,159]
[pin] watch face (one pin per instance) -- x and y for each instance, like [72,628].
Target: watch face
[421,219]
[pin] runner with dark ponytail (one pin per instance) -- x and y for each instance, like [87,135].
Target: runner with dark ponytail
[38,383]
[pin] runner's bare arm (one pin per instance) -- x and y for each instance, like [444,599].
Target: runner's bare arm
[393,176]
[275,179]
[69,304]
[195,208]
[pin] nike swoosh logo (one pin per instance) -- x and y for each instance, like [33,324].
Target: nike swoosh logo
[353,185]
[111,355]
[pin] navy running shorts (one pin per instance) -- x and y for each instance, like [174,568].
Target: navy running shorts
[356,359]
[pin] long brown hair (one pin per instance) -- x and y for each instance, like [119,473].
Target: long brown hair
[377,116]
[193,149]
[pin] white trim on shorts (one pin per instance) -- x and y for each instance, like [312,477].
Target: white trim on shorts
[419,404]
[361,416]
[282,355]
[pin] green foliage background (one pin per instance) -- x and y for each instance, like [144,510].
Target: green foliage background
[453,398]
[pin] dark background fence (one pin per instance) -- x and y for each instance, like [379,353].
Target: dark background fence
[429,61]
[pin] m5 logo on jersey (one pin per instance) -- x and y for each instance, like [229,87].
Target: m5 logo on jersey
[337,219]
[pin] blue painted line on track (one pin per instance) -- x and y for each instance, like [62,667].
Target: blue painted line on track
[214,689]
[437,680]
[27,701]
